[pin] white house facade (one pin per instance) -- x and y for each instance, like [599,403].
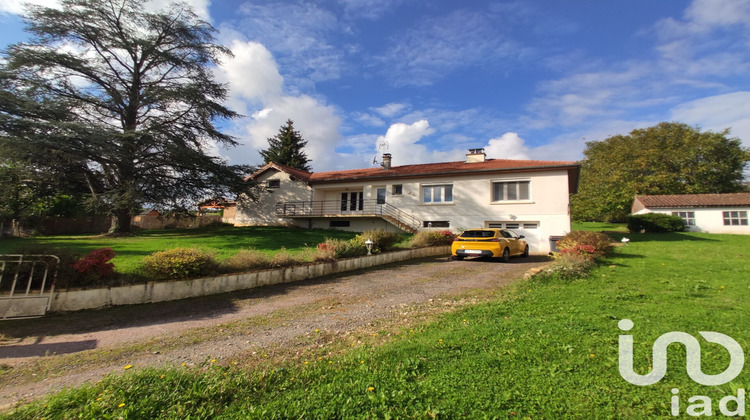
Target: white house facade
[711,213]
[529,197]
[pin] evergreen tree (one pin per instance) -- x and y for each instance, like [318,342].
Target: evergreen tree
[122,99]
[287,148]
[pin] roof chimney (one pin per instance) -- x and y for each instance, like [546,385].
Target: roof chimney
[475,155]
[386,161]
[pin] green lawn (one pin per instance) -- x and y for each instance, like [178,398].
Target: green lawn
[600,226]
[541,350]
[224,241]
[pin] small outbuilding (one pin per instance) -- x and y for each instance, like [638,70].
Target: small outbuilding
[712,213]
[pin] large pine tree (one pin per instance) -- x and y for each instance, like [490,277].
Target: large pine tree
[287,148]
[122,99]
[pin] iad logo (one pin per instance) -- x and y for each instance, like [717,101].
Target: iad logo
[702,406]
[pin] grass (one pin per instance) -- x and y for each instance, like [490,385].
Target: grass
[600,226]
[224,241]
[541,350]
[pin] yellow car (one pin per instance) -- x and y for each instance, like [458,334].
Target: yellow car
[497,243]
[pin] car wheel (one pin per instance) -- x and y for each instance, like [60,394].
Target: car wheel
[526,251]
[506,254]
[457,258]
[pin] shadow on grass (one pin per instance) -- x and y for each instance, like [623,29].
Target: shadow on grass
[662,237]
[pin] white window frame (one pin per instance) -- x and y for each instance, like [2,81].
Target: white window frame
[687,216]
[433,188]
[518,191]
[735,218]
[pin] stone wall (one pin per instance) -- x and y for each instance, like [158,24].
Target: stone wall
[75,300]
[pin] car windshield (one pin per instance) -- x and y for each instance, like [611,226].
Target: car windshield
[478,234]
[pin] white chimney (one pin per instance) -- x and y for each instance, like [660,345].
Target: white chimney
[386,161]
[475,155]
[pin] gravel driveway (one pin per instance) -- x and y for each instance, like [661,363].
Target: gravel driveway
[242,323]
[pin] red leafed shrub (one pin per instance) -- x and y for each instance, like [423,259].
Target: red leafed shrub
[96,262]
[581,250]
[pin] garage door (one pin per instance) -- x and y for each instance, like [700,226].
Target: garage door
[528,229]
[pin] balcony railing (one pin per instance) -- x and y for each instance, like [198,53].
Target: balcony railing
[358,208]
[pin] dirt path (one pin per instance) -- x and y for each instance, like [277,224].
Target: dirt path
[233,325]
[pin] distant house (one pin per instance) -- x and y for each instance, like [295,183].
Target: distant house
[528,196]
[713,213]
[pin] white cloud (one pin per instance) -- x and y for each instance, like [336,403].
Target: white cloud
[369,9]
[256,88]
[16,7]
[252,75]
[717,113]
[507,146]
[402,142]
[368,119]
[200,7]
[390,110]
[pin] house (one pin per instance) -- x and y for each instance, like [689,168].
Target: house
[713,213]
[528,196]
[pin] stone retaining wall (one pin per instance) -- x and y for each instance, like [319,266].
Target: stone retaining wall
[75,300]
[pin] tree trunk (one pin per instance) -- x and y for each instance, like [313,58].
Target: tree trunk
[120,221]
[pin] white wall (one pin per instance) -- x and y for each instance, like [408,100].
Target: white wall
[709,219]
[472,205]
[263,211]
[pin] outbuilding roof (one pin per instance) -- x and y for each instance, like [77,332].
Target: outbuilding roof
[695,200]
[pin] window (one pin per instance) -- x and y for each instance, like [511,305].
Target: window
[436,224]
[381,195]
[398,189]
[273,183]
[511,191]
[530,225]
[735,218]
[339,223]
[687,216]
[436,194]
[512,225]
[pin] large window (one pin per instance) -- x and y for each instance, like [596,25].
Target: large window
[511,191]
[273,183]
[687,216]
[735,218]
[437,194]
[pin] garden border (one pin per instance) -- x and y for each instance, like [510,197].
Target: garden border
[162,291]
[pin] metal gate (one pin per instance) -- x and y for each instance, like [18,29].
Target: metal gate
[26,284]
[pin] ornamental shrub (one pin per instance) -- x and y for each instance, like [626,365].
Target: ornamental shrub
[382,241]
[655,222]
[567,267]
[179,263]
[340,248]
[96,263]
[425,238]
[583,242]
[246,260]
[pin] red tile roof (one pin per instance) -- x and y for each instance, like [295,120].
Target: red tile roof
[305,176]
[438,169]
[695,200]
[430,170]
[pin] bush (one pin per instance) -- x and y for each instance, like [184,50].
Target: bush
[343,249]
[179,263]
[583,242]
[655,222]
[246,260]
[425,238]
[382,241]
[284,258]
[567,267]
[66,276]
[95,268]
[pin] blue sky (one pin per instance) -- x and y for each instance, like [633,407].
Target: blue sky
[425,81]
